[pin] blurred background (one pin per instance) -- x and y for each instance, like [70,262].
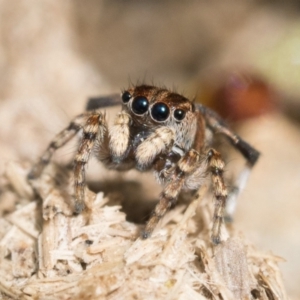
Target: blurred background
[240,57]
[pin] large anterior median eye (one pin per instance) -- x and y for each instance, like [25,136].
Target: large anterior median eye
[140,105]
[160,112]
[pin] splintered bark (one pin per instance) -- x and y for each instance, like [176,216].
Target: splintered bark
[47,252]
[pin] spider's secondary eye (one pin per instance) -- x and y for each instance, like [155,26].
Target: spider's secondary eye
[140,105]
[179,114]
[126,97]
[160,112]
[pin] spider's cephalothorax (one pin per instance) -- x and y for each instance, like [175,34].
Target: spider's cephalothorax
[159,130]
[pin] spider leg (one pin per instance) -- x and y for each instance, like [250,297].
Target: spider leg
[103,101]
[95,129]
[216,168]
[60,140]
[218,125]
[157,142]
[185,166]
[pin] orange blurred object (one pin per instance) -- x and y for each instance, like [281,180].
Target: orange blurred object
[241,96]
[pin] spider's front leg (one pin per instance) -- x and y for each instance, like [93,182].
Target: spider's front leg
[112,148]
[184,168]
[95,129]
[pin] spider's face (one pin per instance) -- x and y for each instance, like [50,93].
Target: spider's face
[151,107]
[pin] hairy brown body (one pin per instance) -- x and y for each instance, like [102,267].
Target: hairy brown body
[156,129]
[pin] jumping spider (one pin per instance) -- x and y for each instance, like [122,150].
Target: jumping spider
[156,130]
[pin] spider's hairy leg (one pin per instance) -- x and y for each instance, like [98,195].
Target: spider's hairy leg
[60,140]
[216,168]
[186,166]
[218,125]
[95,129]
[103,101]
[119,136]
[157,142]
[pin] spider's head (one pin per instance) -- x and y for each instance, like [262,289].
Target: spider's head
[151,107]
